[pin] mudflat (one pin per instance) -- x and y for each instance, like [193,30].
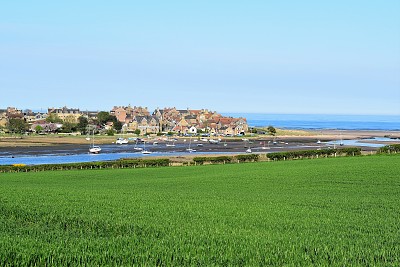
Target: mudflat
[285,140]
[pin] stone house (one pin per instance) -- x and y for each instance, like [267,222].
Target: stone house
[66,114]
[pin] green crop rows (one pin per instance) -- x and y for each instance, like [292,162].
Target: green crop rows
[335,211]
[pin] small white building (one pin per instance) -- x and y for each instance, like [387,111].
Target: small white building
[193,130]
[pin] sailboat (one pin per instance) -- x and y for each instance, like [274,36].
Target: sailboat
[190,150]
[169,144]
[264,147]
[94,149]
[137,148]
[341,140]
[121,140]
[144,149]
[87,133]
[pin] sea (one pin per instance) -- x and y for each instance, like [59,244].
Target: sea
[320,121]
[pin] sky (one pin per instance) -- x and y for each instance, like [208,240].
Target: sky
[295,57]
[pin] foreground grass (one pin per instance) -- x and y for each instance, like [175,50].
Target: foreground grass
[339,211]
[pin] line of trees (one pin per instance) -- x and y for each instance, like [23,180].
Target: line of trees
[69,125]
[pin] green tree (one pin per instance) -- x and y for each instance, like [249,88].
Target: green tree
[271,130]
[53,118]
[16,126]
[38,128]
[137,132]
[118,125]
[68,127]
[110,132]
[82,124]
[103,117]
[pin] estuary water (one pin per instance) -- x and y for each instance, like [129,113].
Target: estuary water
[319,121]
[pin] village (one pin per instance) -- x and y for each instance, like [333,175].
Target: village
[126,119]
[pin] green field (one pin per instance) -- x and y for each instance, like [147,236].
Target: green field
[336,211]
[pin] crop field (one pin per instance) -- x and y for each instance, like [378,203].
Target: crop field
[326,212]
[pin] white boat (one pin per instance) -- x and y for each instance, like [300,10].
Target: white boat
[121,141]
[190,150]
[248,150]
[170,145]
[155,143]
[341,140]
[144,149]
[94,149]
[265,147]
[136,147]
[319,142]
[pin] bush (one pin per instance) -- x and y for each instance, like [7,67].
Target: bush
[350,151]
[247,157]
[220,159]
[395,148]
[123,163]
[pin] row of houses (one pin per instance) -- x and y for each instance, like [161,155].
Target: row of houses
[185,121]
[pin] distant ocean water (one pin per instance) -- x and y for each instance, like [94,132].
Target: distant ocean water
[314,121]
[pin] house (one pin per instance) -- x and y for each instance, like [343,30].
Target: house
[66,114]
[3,118]
[119,113]
[147,124]
[192,130]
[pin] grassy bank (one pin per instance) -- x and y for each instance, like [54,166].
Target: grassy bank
[335,211]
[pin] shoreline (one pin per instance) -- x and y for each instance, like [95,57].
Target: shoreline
[307,136]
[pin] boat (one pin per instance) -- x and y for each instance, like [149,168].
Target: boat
[265,147]
[248,150]
[121,141]
[341,140]
[137,148]
[144,149]
[94,149]
[190,150]
[319,142]
[155,143]
[169,144]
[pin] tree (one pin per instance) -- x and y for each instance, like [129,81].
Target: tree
[16,125]
[110,132]
[118,125]
[103,117]
[38,128]
[68,127]
[53,118]
[82,124]
[137,132]
[271,130]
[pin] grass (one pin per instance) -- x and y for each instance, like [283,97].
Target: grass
[338,211]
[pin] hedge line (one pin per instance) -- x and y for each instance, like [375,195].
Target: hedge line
[137,163]
[226,159]
[117,164]
[395,148]
[350,151]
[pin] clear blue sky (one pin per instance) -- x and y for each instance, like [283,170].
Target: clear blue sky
[327,57]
